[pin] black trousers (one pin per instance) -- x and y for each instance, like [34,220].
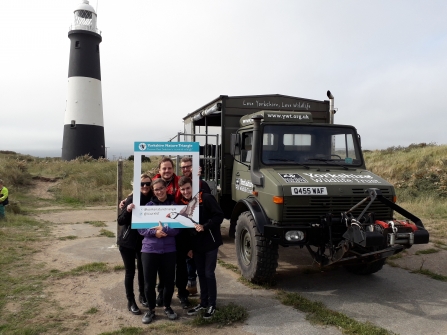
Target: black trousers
[206,266]
[129,256]
[181,275]
[164,265]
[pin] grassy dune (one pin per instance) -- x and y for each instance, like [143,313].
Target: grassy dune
[418,172]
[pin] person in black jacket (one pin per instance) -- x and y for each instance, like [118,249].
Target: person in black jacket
[130,243]
[205,246]
[186,166]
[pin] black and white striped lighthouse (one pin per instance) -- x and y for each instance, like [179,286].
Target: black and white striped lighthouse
[84,124]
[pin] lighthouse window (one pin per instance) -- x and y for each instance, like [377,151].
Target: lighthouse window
[77,44]
[97,48]
[73,124]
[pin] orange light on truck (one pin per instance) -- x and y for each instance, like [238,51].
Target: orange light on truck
[278,200]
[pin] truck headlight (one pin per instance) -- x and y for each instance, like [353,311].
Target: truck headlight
[294,235]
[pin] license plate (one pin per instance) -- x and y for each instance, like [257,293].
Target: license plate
[309,191]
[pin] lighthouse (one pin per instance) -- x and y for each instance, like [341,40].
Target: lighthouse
[83,122]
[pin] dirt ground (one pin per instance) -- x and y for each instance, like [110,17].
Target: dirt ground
[105,291]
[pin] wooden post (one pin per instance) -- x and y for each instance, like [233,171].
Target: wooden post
[119,191]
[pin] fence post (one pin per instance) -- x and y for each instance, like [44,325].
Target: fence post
[119,191]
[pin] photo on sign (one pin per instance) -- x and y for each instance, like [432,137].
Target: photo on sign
[178,215]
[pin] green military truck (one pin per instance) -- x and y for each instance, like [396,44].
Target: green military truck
[286,175]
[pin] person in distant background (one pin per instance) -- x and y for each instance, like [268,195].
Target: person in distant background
[3,199]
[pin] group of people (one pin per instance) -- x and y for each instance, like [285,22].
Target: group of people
[172,254]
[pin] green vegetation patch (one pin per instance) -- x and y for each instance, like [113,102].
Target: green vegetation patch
[427,251]
[22,295]
[318,313]
[126,331]
[69,237]
[96,223]
[92,310]
[430,274]
[224,316]
[91,267]
[107,233]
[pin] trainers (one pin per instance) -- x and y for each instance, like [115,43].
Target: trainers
[148,317]
[170,313]
[210,312]
[159,300]
[185,302]
[195,310]
[192,287]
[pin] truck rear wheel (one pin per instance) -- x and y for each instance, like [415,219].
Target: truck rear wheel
[257,257]
[366,269]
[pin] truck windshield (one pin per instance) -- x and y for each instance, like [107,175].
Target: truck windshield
[310,144]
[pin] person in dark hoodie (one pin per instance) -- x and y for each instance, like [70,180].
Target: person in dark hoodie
[159,255]
[129,241]
[205,246]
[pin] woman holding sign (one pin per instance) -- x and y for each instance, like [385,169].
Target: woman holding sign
[129,242]
[159,255]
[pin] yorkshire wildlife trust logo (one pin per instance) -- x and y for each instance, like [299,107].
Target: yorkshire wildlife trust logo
[292,178]
[142,146]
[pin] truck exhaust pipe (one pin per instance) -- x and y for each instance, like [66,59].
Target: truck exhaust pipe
[331,107]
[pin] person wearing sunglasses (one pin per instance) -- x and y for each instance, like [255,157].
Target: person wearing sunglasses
[159,255]
[186,167]
[130,244]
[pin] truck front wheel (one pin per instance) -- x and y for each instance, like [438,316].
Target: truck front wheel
[257,257]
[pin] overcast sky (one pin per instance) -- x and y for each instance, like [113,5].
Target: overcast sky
[384,61]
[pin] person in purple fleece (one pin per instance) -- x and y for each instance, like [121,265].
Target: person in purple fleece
[158,255]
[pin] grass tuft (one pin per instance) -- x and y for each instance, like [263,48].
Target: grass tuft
[96,223]
[92,310]
[224,316]
[84,269]
[69,237]
[431,274]
[107,233]
[318,313]
[427,251]
[126,331]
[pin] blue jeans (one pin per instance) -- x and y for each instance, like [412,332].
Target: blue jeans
[2,211]
[206,267]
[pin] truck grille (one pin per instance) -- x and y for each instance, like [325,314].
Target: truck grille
[319,206]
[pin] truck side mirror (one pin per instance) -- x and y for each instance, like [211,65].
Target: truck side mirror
[235,144]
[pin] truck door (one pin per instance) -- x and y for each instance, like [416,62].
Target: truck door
[242,185]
